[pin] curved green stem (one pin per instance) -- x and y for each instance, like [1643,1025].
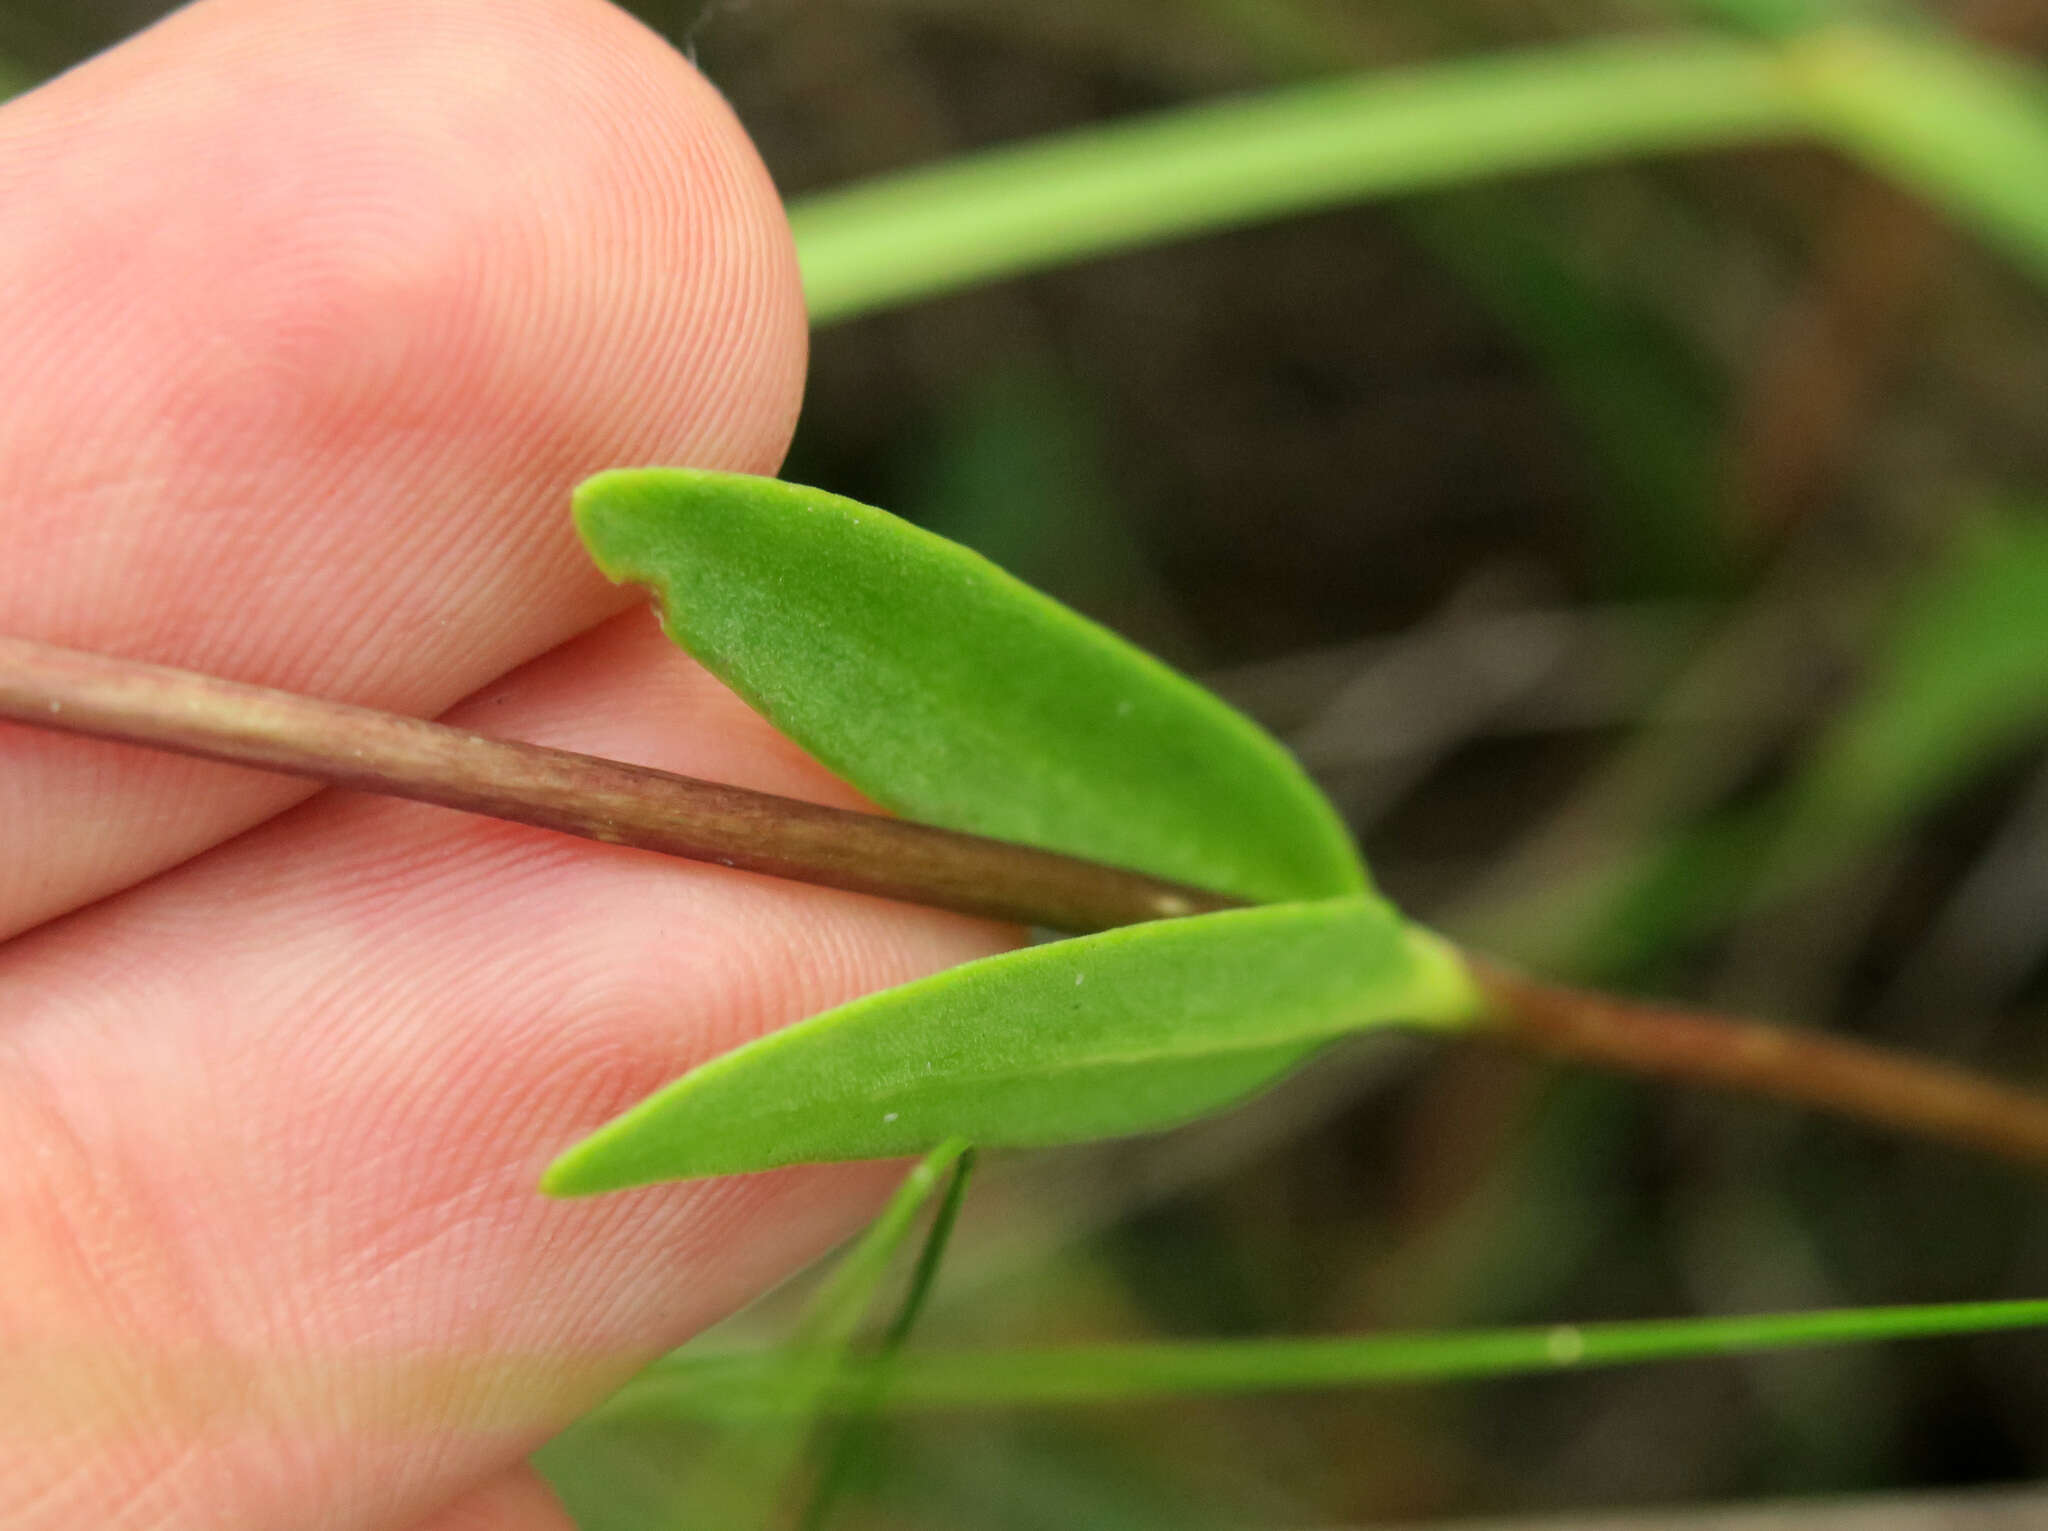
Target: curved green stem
[1960,125]
[688,1386]
[887,242]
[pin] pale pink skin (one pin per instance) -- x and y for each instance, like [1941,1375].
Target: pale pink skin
[313,315]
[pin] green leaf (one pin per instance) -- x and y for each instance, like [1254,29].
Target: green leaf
[613,1471]
[842,1454]
[1650,411]
[823,1345]
[1959,681]
[832,1319]
[1219,164]
[1788,18]
[1127,1031]
[956,695]
[1962,125]
[833,1315]
[700,1386]
[1965,127]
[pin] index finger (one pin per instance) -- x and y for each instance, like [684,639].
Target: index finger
[317,314]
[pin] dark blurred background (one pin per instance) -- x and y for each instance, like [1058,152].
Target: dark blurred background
[1651,561]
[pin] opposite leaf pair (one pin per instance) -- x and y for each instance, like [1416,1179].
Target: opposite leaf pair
[953,694]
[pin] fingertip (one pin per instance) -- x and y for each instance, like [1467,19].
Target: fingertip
[392,241]
[320,313]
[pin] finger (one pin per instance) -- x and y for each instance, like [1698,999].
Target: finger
[316,312]
[514,1501]
[287,1105]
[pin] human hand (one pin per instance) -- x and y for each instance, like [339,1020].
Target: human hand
[316,313]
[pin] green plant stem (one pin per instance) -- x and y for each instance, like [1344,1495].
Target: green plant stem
[725,1386]
[628,805]
[1225,163]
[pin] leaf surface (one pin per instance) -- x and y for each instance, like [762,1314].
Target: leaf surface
[1127,1031]
[956,695]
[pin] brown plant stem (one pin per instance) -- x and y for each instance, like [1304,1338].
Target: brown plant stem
[382,752]
[1918,1096]
[620,804]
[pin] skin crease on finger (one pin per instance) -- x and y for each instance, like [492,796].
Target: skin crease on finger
[316,313]
[280,1261]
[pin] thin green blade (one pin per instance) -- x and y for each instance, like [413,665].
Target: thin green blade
[853,1440]
[954,694]
[688,1385]
[1966,127]
[1127,1031]
[613,1473]
[1220,164]
[833,1316]
[1960,681]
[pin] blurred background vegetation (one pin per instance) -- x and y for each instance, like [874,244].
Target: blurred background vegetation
[1651,560]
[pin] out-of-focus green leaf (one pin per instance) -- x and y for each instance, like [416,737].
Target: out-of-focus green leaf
[1650,411]
[834,1314]
[1960,680]
[1967,128]
[954,694]
[723,1386]
[679,1474]
[613,1471]
[1959,124]
[844,1449]
[1042,1474]
[1220,164]
[1015,466]
[1127,1031]
[1784,18]
[824,1339]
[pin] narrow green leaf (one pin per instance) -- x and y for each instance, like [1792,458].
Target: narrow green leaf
[1960,124]
[1219,164]
[925,1274]
[1959,681]
[1965,127]
[833,1315]
[685,1386]
[1788,18]
[1127,1031]
[1650,411]
[954,694]
[853,1441]
[762,1452]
